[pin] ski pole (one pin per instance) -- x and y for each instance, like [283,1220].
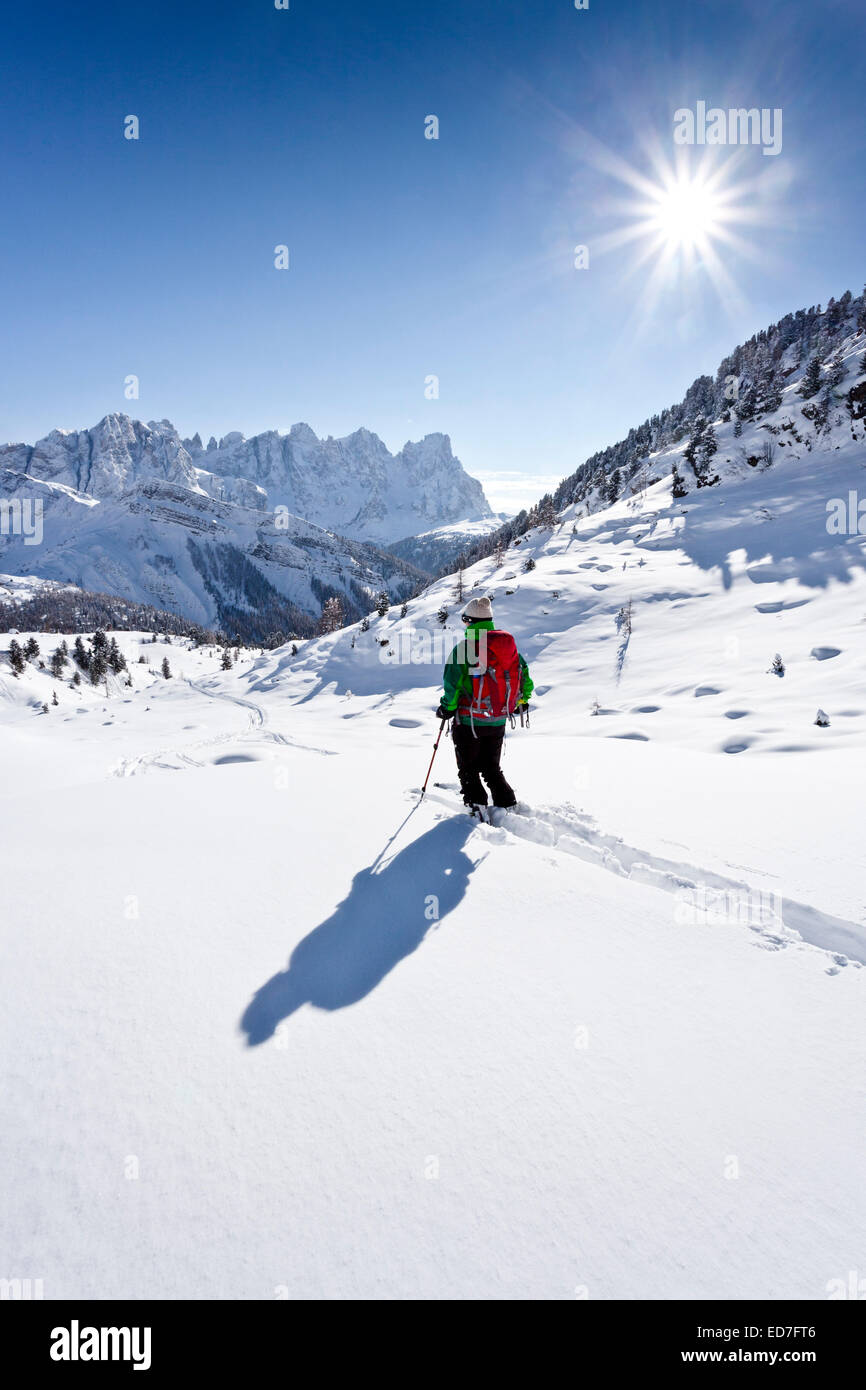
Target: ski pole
[435,746]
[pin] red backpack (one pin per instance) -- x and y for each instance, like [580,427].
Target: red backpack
[494,672]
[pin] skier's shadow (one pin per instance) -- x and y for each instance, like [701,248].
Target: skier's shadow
[384,918]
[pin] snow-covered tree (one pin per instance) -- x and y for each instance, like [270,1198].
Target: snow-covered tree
[59,659]
[383,603]
[528,564]
[225,664]
[442,615]
[166,669]
[17,659]
[679,487]
[836,371]
[115,657]
[98,667]
[777,666]
[332,615]
[811,381]
[31,648]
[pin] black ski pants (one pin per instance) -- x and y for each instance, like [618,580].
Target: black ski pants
[478,756]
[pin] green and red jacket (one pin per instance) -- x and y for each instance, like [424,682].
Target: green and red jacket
[457,681]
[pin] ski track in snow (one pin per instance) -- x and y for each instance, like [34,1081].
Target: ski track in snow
[180,759]
[574,832]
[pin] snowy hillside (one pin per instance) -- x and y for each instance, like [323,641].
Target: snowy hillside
[279,1030]
[442,548]
[216,563]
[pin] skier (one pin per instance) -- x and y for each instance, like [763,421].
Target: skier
[485,680]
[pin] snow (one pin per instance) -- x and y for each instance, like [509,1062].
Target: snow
[273,1027]
[328,1093]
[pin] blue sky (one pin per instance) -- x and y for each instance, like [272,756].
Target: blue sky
[409,257]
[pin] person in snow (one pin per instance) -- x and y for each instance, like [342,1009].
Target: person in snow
[486,681]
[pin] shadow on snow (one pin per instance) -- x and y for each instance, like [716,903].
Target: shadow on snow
[380,922]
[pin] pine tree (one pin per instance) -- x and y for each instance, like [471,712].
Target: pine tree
[332,616]
[59,660]
[459,593]
[769,393]
[442,615]
[679,487]
[364,624]
[76,679]
[98,667]
[690,452]
[81,655]
[747,402]
[706,448]
[166,669]
[16,658]
[142,660]
[294,649]
[225,664]
[54,699]
[115,657]
[811,381]
[404,610]
[99,643]
[31,648]
[383,603]
[528,564]
[777,666]
[738,427]
[836,371]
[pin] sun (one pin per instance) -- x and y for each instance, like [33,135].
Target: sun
[680,218]
[688,213]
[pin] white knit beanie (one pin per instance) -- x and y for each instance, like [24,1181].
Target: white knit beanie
[479,609]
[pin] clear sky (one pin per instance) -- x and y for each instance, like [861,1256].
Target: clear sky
[411,257]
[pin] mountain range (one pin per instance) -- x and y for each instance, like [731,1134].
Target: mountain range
[248,535]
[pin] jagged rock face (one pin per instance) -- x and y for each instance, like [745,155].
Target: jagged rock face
[352,486]
[107,460]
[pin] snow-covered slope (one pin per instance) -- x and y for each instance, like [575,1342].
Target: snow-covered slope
[216,563]
[442,548]
[608,1046]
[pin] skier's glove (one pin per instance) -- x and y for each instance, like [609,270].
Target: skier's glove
[443,713]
